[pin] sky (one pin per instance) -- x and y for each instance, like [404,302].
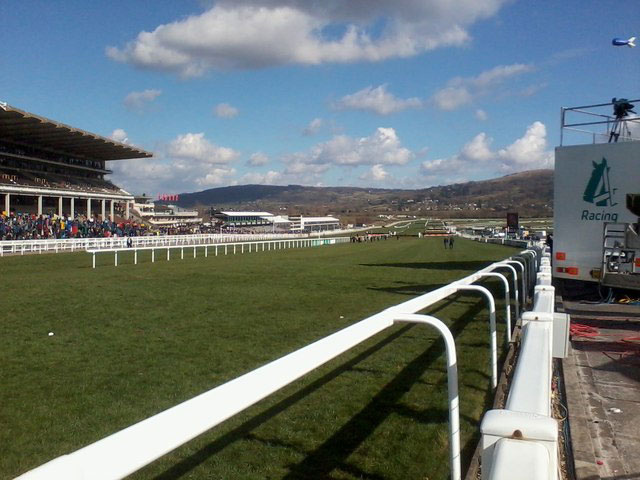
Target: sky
[368,93]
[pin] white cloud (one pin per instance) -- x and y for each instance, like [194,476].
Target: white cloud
[481,115]
[258,159]
[193,146]
[255,178]
[137,101]
[476,157]
[377,173]
[215,177]
[188,163]
[528,152]
[461,91]
[245,34]
[377,100]
[119,135]
[478,149]
[314,127]
[382,147]
[450,98]
[224,110]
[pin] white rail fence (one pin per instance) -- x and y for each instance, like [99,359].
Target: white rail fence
[23,247]
[222,248]
[128,450]
[523,437]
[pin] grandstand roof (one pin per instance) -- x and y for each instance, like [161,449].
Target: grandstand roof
[18,126]
[320,219]
[247,214]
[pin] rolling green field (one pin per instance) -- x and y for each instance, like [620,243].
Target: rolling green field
[133,340]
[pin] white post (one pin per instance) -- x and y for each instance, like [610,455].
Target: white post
[492,326]
[94,259]
[515,283]
[111,215]
[7,202]
[181,253]
[59,206]
[39,204]
[194,251]
[506,300]
[168,255]
[126,211]
[73,208]
[88,208]
[135,256]
[523,280]
[102,208]
[153,255]
[115,257]
[452,386]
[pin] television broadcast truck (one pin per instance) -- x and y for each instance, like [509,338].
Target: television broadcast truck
[597,197]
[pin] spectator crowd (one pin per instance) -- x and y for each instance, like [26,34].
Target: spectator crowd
[29,226]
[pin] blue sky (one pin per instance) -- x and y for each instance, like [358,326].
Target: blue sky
[372,93]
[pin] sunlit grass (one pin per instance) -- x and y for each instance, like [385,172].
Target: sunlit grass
[132,340]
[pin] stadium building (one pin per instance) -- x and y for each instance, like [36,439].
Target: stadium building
[50,167]
[300,223]
[161,215]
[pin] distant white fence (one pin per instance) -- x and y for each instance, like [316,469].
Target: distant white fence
[215,248]
[523,437]
[23,247]
[128,450]
[511,242]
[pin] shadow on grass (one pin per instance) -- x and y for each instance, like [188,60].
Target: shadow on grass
[334,452]
[409,289]
[244,430]
[472,265]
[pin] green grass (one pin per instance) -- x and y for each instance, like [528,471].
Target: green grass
[133,340]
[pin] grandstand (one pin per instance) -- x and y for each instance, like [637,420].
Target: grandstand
[292,223]
[50,167]
[164,215]
[300,223]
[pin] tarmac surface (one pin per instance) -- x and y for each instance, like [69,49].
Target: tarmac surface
[602,386]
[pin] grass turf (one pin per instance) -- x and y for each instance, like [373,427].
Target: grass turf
[133,340]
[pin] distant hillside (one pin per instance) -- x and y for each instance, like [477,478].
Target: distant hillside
[529,193]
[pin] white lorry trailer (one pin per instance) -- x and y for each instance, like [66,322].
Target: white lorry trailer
[596,208]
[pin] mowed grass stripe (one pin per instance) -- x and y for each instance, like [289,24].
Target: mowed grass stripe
[133,340]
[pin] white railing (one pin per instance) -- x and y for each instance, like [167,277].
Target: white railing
[523,437]
[128,450]
[222,248]
[22,247]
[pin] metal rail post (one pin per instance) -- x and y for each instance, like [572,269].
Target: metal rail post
[506,299]
[530,268]
[515,283]
[452,385]
[492,325]
[522,279]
